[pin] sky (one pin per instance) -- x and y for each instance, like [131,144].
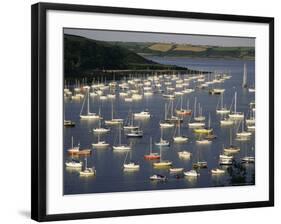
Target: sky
[124,36]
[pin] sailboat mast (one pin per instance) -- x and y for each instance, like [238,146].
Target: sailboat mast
[179,129]
[195,107]
[119,134]
[165,111]
[230,136]
[172,108]
[111,110]
[244,85]
[209,124]
[235,99]
[88,112]
[181,102]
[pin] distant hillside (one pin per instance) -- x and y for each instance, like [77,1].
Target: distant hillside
[187,50]
[82,55]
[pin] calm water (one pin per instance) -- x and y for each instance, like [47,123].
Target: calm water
[110,175]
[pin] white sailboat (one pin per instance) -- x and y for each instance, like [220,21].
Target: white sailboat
[73,163]
[226,122]
[176,170]
[158,177]
[217,171]
[195,124]
[222,109]
[251,120]
[101,130]
[121,147]
[130,165]
[142,114]
[231,149]
[236,115]
[184,154]
[135,133]
[191,173]
[247,158]
[88,171]
[130,125]
[113,121]
[243,135]
[88,115]
[165,123]
[179,138]
[162,142]
[100,144]
[200,117]
[200,163]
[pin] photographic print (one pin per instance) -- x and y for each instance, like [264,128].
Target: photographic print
[157,111]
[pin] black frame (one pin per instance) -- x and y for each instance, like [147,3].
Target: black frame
[38,110]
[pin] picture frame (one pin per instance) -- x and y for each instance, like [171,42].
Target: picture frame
[40,119]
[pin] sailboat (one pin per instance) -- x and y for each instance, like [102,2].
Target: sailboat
[68,123]
[184,112]
[184,154]
[100,144]
[152,155]
[101,130]
[165,123]
[74,163]
[73,149]
[158,177]
[226,121]
[176,170]
[217,171]
[121,147]
[203,141]
[191,173]
[251,120]
[130,125]
[195,124]
[143,114]
[180,138]
[173,118]
[247,158]
[231,148]
[162,142]
[208,130]
[88,171]
[130,165]
[200,117]
[88,115]
[162,163]
[135,133]
[113,121]
[199,164]
[225,159]
[222,109]
[243,135]
[236,115]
